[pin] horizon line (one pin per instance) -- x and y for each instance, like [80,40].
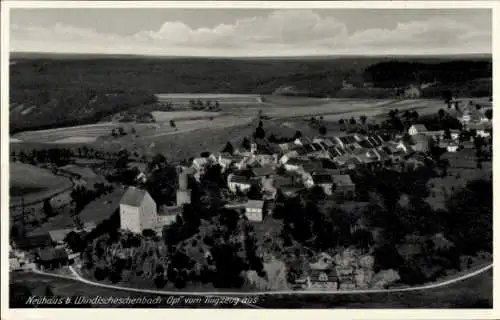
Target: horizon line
[375,55]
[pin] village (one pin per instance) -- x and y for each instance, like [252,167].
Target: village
[261,176]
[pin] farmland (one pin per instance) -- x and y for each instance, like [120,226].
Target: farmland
[197,131]
[223,99]
[34,184]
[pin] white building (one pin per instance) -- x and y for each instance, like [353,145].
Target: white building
[416,129]
[241,183]
[254,210]
[137,211]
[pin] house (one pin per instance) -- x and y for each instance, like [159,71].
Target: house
[344,185]
[225,160]
[346,141]
[137,210]
[263,172]
[33,242]
[422,143]
[167,216]
[237,182]
[417,129]
[295,165]
[325,181]
[302,141]
[323,279]
[141,177]
[285,147]
[266,160]
[254,210]
[14,263]
[452,148]
[268,189]
[51,258]
[58,236]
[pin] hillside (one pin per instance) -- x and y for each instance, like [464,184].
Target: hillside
[47,90]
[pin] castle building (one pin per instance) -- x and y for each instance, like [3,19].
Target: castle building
[137,211]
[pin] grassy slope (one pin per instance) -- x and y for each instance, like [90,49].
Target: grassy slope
[34,183]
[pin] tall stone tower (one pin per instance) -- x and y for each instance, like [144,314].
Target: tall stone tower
[183,193]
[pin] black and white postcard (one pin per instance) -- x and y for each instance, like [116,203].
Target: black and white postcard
[248,155]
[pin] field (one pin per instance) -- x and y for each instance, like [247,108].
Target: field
[34,184]
[76,134]
[197,131]
[162,116]
[222,99]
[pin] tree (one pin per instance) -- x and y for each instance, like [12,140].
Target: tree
[217,104]
[228,148]
[352,121]
[245,144]
[363,119]
[489,114]
[172,124]
[47,208]
[322,130]
[298,134]
[121,131]
[441,113]
[448,96]
[447,134]
[259,132]
[343,124]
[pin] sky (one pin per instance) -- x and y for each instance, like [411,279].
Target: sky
[252,32]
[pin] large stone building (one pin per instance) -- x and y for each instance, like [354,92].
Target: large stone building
[137,211]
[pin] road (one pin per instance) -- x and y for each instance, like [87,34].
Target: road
[77,277]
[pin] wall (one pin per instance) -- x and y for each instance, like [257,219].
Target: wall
[148,213]
[129,218]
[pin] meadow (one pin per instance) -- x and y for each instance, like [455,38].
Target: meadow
[34,184]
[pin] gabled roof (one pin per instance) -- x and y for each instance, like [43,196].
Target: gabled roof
[348,139]
[366,144]
[419,127]
[59,235]
[263,171]
[342,180]
[256,204]
[33,241]
[238,179]
[309,147]
[50,254]
[133,197]
[322,179]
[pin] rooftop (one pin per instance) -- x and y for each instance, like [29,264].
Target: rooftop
[50,254]
[322,178]
[238,179]
[342,180]
[419,127]
[348,139]
[263,171]
[256,204]
[133,197]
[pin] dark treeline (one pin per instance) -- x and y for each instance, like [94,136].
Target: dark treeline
[400,73]
[68,106]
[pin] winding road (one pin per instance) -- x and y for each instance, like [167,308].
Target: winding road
[77,277]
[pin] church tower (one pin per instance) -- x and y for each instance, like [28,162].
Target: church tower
[183,193]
